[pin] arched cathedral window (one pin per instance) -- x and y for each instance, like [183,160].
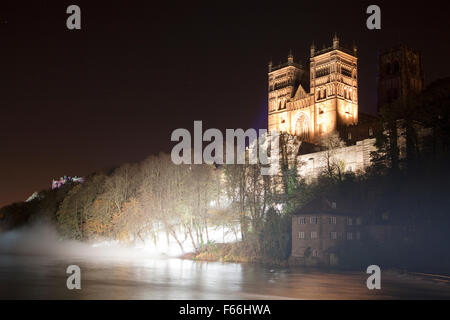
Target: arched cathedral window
[396,67]
[302,127]
[388,68]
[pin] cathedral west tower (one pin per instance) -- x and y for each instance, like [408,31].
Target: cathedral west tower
[332,100]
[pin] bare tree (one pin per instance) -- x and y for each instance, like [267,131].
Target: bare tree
[334,166]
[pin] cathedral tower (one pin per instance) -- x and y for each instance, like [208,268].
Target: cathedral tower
[332,100]
[400,75]
[334,86]
[284,79]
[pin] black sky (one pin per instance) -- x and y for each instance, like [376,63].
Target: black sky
[73,102]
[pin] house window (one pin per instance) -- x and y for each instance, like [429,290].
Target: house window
[349,235]
[333,205]
[333,235]
[301,235]
[358,235]
[313,220]
[332,220]
[301,220]
[349,136]
[358,221]
[349,221]
[313,234]
[370,132]
[315,253]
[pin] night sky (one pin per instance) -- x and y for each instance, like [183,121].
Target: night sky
[74,102]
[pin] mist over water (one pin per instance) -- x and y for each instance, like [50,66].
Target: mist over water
[34,260]
[42,239]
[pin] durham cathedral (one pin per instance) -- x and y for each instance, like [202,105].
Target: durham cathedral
[312,104]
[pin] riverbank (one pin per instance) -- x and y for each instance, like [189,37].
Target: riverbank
[236,252]
[239,252]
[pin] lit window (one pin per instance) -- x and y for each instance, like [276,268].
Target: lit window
[313,220]
[370,132]
[332,220]
[333,235]
[349,136]
[349,235]
[301,235]
[313,234]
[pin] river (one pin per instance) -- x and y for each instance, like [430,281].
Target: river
[42,277]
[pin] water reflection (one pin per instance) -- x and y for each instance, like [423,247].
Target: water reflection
[38,277]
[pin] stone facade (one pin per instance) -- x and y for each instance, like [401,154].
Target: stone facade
[331,101]
[351,158]
[318,228]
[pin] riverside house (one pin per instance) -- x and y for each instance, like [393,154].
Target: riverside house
[319,227]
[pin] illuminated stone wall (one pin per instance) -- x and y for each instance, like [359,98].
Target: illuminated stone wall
[351,158]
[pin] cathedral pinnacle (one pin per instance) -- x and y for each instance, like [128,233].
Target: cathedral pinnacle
[335,41]
[290,57]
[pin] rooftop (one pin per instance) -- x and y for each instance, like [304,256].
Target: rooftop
[331,206]
[283,65]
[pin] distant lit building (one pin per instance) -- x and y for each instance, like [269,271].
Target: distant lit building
[63,180]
